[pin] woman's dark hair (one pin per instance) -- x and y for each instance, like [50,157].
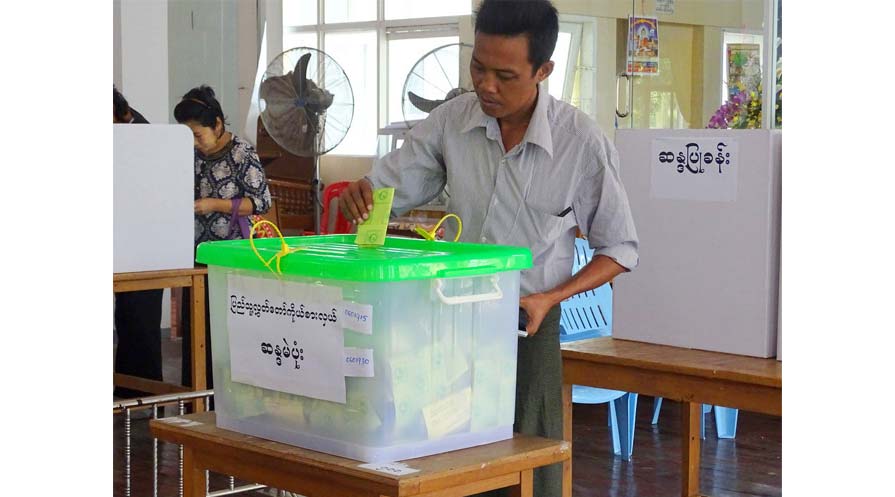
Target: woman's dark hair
[120,107]
[537,19]
[199,105]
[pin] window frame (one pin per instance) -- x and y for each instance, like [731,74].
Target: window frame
[574,29]
[584,31]
[422,27]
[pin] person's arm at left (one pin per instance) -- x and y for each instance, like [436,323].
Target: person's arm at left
[602,211]
[209,205]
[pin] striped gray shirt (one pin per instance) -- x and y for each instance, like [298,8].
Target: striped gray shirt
[516,197]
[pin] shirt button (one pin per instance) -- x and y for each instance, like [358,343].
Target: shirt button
[495,202]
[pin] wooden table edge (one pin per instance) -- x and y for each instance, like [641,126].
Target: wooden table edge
[407,485]
[764,399]
[695,370]
[159,274]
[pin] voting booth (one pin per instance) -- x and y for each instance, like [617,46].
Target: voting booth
[375,354]
[152,216]
[706,204]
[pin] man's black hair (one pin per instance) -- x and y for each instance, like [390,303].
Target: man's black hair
[120,107]
[537,19]
[199,105]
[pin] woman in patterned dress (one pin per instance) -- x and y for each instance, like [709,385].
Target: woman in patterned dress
[226,168]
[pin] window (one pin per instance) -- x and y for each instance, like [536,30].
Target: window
[561,57]
[403,54]
[405,9]
[356,53]
[299,13]
[300,39]
[573,79]
[376,42]
[349,11]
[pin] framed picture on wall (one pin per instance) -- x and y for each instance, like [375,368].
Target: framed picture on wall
[643,46]
[743,67]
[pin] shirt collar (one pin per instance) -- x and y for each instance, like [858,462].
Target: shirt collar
[538,131]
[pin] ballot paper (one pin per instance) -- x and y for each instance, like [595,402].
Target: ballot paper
[371,233]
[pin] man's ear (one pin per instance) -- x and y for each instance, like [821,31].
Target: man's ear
[545,70]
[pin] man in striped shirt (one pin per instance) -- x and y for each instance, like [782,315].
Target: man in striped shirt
[524,169]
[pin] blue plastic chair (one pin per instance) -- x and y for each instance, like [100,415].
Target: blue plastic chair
[588,315]
[725,419]
[590,311]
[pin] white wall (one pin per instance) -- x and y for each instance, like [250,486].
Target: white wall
[247,45]
[202,49]
[116,42]
[143,53]
[159,51]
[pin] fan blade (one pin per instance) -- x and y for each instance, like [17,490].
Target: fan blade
[300,75]
[292,127]
[277,88]
[423,104]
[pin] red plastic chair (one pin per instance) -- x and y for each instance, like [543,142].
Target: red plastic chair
[332,221]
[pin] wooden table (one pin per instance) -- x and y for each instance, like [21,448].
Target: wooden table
[692,377]
[176,278]
[509,463]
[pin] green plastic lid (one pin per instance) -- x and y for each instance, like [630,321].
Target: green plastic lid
[337,257]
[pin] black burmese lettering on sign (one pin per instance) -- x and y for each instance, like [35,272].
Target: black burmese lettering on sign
[692,159]
[240,306]
[284,353]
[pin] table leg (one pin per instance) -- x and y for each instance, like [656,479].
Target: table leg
[691,414]
[197,321]
[567,436]
[526,484]
[193,476]
[176,302]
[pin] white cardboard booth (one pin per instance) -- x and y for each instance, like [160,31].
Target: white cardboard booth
[706,204]
[152,166]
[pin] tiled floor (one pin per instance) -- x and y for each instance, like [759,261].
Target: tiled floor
[748,466]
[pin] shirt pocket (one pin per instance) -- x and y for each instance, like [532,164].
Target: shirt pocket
[539,229]
[543,213]
[548,226]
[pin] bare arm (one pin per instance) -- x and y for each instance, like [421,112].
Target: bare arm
[416,171]
[600,270]
[207,205]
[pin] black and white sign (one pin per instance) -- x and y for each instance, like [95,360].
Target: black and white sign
[286,336]
[694,169]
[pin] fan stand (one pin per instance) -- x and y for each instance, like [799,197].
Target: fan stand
[315,183]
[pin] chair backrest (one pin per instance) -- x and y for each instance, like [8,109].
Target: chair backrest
[332,221]
[588,312]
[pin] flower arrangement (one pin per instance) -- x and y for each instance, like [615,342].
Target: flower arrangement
[743,109]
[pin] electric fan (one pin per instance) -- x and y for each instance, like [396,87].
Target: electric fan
[437,77]
[306,106]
